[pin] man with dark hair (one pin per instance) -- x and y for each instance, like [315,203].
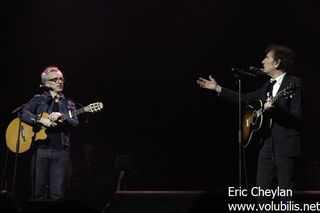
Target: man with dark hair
[279,145]
[284,54]
[50,160]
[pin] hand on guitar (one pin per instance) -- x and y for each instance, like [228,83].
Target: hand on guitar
[47,122]
[54,116]
[268,106]
[209,84]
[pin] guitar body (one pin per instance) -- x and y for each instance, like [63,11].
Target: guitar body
[254,123]
[27,135]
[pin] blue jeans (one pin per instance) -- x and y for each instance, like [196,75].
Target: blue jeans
[49,168]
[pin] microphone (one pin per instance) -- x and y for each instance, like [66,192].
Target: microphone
[257,71]
[42,86]
[252,72]
[243,72]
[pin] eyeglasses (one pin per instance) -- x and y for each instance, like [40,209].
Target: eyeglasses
[57,79]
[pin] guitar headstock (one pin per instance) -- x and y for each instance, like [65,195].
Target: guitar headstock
[94,107]
[289,91]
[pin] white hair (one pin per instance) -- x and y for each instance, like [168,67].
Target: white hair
[45,73]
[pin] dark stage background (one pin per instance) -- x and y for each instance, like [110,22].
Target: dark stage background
[141,59]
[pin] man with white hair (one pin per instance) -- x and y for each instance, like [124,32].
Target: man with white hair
[50,160]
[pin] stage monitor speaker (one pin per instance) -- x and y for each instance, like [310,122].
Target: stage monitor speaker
[165,202]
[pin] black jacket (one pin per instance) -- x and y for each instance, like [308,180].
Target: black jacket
[42,103]
[287,115]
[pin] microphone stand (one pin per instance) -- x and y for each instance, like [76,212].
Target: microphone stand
[18,111]
[238,78]
[238,73]
[16,155]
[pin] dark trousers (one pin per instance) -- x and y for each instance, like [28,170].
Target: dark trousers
[49,168]
[274,170]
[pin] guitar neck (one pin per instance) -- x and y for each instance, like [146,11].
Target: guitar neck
[94,107]
[72,114]
[275,98]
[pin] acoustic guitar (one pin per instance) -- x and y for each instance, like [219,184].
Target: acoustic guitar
[28,134]
[254,123]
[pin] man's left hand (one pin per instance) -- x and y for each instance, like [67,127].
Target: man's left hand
[54,116]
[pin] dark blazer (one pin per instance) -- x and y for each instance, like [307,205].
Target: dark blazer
[287,115]
[43,103]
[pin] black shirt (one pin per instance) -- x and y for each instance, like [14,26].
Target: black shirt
[54,134]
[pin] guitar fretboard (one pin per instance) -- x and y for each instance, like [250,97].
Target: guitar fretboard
[279,94]
[282,92]
[73,114]
[275,98]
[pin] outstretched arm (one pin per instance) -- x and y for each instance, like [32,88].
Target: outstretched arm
[210,84]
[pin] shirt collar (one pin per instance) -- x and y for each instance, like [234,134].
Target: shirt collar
[49,97]
[278,79]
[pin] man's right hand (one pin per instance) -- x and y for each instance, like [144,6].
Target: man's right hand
[209,84]
[268,105]
[47,122]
